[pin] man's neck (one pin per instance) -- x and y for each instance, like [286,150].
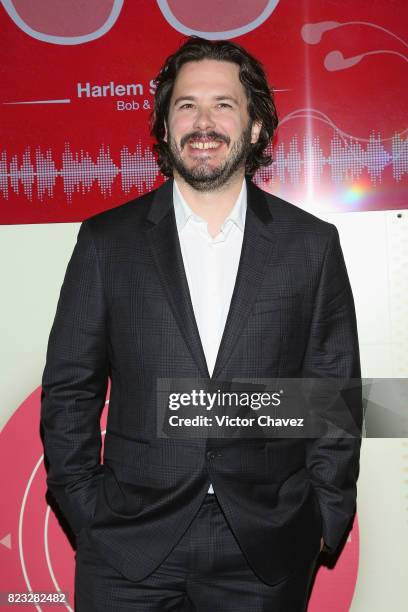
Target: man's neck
[212,206]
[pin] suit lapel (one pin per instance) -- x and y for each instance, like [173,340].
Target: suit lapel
[257,245]
[165,246]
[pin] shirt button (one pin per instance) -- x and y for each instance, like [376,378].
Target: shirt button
[213,454]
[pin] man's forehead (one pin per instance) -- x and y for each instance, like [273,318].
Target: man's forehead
[210,74]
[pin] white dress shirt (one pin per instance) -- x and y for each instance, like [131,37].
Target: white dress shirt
[211,266]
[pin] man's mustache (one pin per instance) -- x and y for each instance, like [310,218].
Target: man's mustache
[204,135]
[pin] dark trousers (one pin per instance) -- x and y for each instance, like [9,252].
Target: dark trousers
[205,572]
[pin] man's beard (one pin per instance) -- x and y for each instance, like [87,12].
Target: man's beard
[203,177]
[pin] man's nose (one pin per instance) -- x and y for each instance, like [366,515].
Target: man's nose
[204,119]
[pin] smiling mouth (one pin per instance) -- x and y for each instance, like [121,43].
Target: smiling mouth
[203,145]
[200,142]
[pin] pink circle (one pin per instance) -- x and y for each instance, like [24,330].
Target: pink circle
[36,555]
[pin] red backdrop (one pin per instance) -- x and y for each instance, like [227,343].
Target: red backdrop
[70,148]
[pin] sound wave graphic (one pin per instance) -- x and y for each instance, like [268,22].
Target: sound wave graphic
[79,172]
[347,160]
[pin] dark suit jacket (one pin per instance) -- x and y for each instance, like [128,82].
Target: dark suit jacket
[125,313]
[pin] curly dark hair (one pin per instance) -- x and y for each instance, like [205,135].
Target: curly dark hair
[261,106]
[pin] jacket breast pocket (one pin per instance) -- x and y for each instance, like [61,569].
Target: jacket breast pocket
[276,304]
[265,306]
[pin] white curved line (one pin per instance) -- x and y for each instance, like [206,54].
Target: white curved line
[48,558]
[383,51]
[392,159]
[301,116]
[372,25]
[301,113]
[20,525]
[357,59]
[64,40]
[252,25]
[295,114]
[20,530]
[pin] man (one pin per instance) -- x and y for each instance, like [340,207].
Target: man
[206,277]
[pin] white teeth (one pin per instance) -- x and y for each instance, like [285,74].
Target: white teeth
[204,145]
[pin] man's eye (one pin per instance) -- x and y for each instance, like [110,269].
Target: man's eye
[187,105]
[224,105]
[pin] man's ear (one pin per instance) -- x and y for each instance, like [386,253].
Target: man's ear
[255,131]
[165,132]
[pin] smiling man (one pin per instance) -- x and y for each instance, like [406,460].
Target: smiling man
[208,130]
[207,278]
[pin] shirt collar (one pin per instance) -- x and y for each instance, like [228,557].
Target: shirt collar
[183,212]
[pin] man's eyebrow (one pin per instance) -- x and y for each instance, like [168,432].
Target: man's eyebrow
[181,98]
[217,98]
[230,98]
